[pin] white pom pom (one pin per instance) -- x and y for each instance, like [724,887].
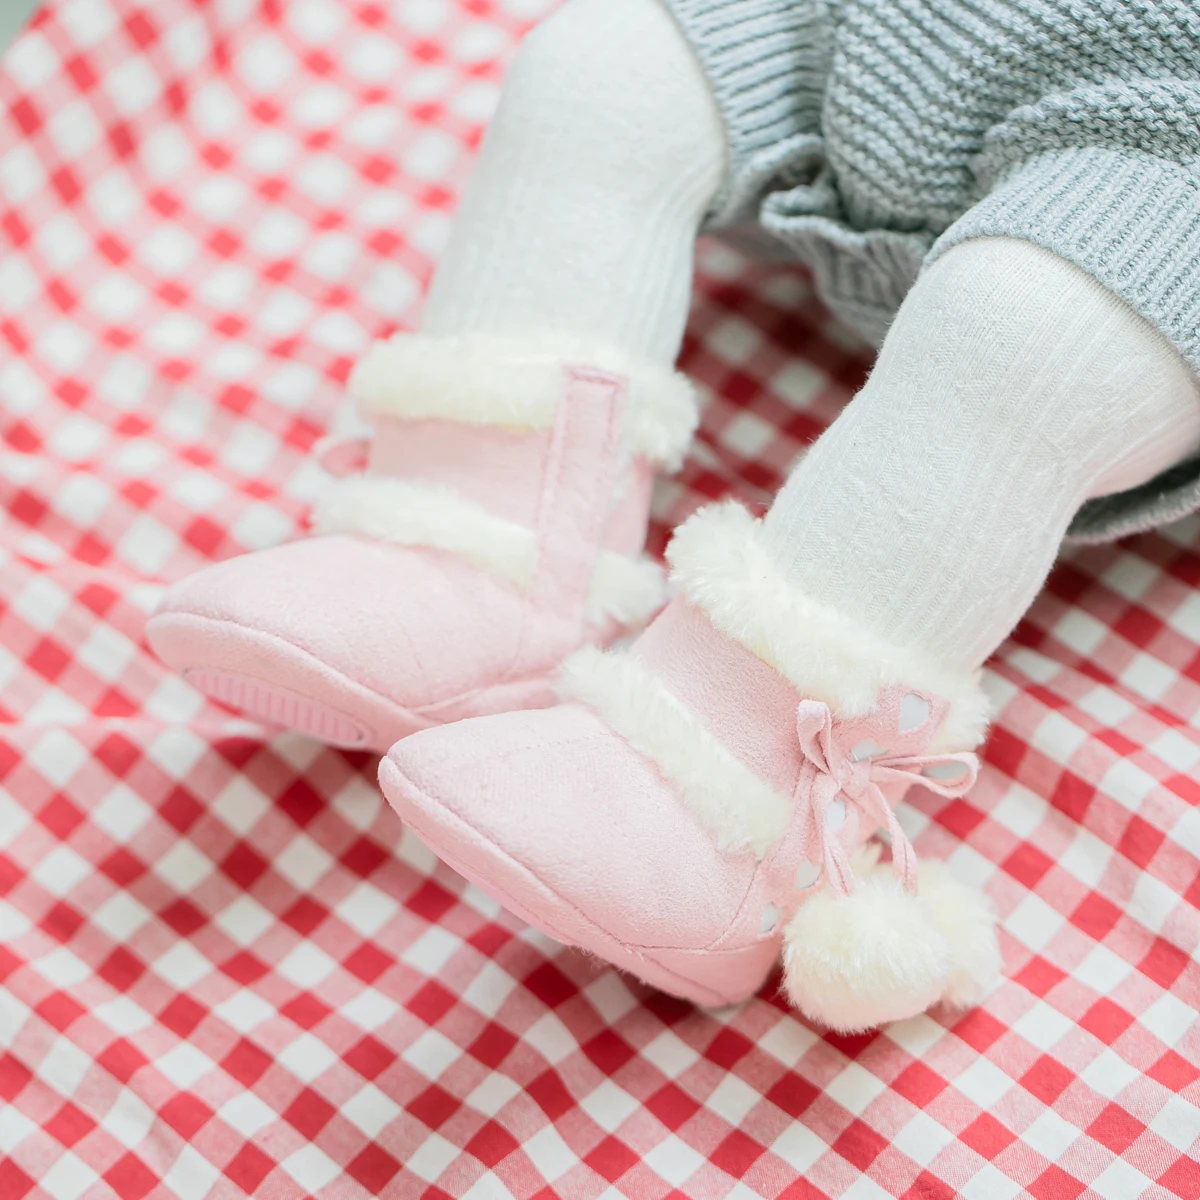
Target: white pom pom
[879,955]
[967,922]
[858,961]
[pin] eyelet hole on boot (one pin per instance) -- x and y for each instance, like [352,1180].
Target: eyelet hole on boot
[867,749]
[914,712]
[771,917]
[807,873]
[950,772]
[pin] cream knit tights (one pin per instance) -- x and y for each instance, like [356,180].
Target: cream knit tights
[1011,388]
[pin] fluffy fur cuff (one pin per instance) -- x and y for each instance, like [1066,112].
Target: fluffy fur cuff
[720,563]
[483,380]
[625,591]
[725,796]
[856,962]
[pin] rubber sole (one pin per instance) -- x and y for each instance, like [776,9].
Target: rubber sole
[276,682]
[273,681]
[276,705]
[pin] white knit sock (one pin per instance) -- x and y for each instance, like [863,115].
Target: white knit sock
[581,215]
[1011,388]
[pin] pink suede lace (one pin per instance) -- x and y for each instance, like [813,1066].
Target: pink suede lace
[838,774]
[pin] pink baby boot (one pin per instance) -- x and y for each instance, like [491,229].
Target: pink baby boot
[498,527]
[713,795]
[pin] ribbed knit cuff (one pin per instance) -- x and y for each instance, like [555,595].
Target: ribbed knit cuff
[1129,219]
[767,62]
[1133,222]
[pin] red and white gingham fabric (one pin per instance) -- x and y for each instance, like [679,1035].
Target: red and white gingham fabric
[225,970]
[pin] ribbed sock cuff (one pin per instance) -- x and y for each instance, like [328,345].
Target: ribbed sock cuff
[767,62]
[1130,220]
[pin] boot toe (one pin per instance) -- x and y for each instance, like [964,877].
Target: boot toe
[337,637]
[553,809]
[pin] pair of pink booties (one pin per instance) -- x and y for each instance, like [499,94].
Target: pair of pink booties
[687,808]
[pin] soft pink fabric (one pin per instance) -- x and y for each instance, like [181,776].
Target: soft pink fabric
[748,707]
[627,522]
[535,891]
[383,640]
[616,857]
[559,793]
[577,488]
[498,468]
[374,632]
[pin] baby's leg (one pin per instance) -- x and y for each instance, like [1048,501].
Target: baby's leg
[1011,388]
[500,519]
[581,216]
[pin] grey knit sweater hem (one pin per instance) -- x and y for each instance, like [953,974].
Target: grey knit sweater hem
[766,61]
[809,85]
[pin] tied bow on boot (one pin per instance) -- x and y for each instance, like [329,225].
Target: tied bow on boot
[839,773]
[882,939]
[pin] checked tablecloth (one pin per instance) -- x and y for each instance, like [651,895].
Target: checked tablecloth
[225,969]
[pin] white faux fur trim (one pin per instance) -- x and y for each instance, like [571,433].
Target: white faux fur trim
[721,564]
[726,797]
[878,955]
[485,380]
[855,962]
[968,923]
[417,514]
[625,591]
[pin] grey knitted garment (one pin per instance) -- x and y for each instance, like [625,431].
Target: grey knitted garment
[869,136]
